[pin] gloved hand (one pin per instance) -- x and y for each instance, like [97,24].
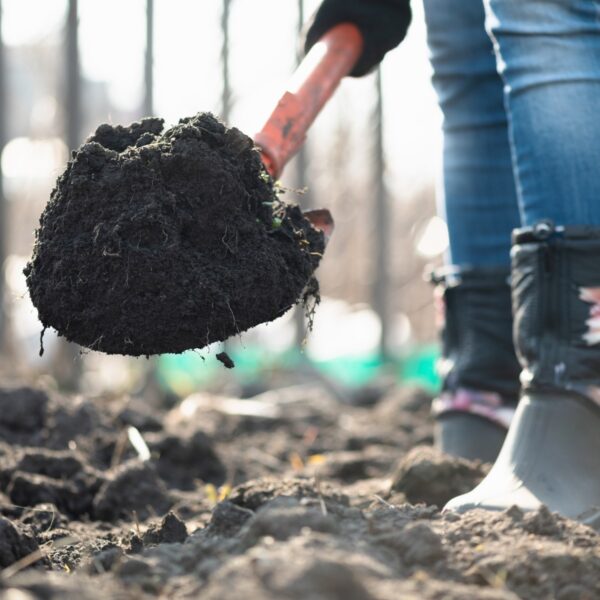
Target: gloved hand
[383,24]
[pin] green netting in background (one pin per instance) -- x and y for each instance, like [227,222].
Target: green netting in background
[184,373]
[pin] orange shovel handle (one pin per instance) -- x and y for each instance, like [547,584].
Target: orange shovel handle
[311,86]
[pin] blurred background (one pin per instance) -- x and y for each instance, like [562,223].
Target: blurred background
[372,158]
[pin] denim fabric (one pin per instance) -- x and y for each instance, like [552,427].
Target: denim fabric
[520,105]
[549,57]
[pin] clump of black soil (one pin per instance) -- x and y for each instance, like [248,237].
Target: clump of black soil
[159,241]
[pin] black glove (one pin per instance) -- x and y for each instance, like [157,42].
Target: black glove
[383,24]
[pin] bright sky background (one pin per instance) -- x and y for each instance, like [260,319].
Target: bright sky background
[263,45]
[187,76]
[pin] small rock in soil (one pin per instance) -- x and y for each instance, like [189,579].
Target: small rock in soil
[543,522]
[136,544]
[171,530]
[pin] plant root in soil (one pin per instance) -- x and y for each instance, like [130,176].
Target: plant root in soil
[158,242]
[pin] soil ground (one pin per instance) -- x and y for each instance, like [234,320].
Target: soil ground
[290,494]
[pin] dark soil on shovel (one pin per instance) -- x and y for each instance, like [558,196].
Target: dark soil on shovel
[159,241]
[291,496]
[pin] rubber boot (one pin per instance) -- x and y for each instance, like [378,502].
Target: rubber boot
[462,434]
[479,368]
[551,455]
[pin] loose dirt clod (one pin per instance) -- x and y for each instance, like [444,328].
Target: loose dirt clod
[14,544]
[170,530]
[224,358]
[426,475]
[159,241]
[132,488]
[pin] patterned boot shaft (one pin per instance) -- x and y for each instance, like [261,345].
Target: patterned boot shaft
[556,302]
[479,368]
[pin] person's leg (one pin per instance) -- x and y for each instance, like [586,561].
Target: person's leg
[548,53]
[478,199]
[478,196]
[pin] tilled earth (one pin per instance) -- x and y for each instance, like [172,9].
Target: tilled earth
[290,494]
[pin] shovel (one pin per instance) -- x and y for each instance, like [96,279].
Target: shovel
[308,90]
[107,321]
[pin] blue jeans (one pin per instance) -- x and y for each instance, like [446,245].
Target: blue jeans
[518,82]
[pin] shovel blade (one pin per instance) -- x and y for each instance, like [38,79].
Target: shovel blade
[321,219]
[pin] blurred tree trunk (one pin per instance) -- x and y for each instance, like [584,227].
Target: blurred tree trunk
[67,365]
[3,211]
[73,79]
[226,98]
[381,214]
[149,61]
[301,184]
